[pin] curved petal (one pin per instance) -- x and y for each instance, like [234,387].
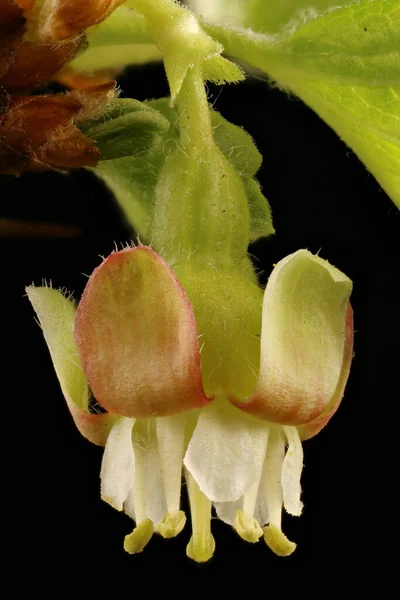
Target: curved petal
[291,472]
[302,340]
[308,430]
[56,314]
[117,466]
[226,511]
[226,452]
[137,338]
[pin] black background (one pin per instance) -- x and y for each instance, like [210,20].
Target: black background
[56,531]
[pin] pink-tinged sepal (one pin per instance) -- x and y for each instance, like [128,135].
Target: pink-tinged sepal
[311,429]
[137,338]
[56,315]
[305,342]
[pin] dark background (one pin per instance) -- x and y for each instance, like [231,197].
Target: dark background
[56,530]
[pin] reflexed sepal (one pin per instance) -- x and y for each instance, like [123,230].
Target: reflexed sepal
[303,340]
[56,314]
[309,430]
[137,337]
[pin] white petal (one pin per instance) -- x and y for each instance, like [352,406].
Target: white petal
[225,452]
[117,464]
[129,504]
[226,511]
[291,472]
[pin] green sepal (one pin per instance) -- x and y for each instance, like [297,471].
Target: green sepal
[345,64]
[56,314]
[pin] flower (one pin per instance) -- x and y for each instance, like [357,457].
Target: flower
[210,410]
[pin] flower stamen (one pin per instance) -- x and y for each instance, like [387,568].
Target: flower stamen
[247,527]
[202,544]
[136,541]
[271,482]
[170,433]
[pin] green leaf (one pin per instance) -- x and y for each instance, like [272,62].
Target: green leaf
[271,15]
[345,64]
[368,120]
[268,16]
[359,44]
[126,128]
[234,10]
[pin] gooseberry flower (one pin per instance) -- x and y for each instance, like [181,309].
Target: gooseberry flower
[171,404]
